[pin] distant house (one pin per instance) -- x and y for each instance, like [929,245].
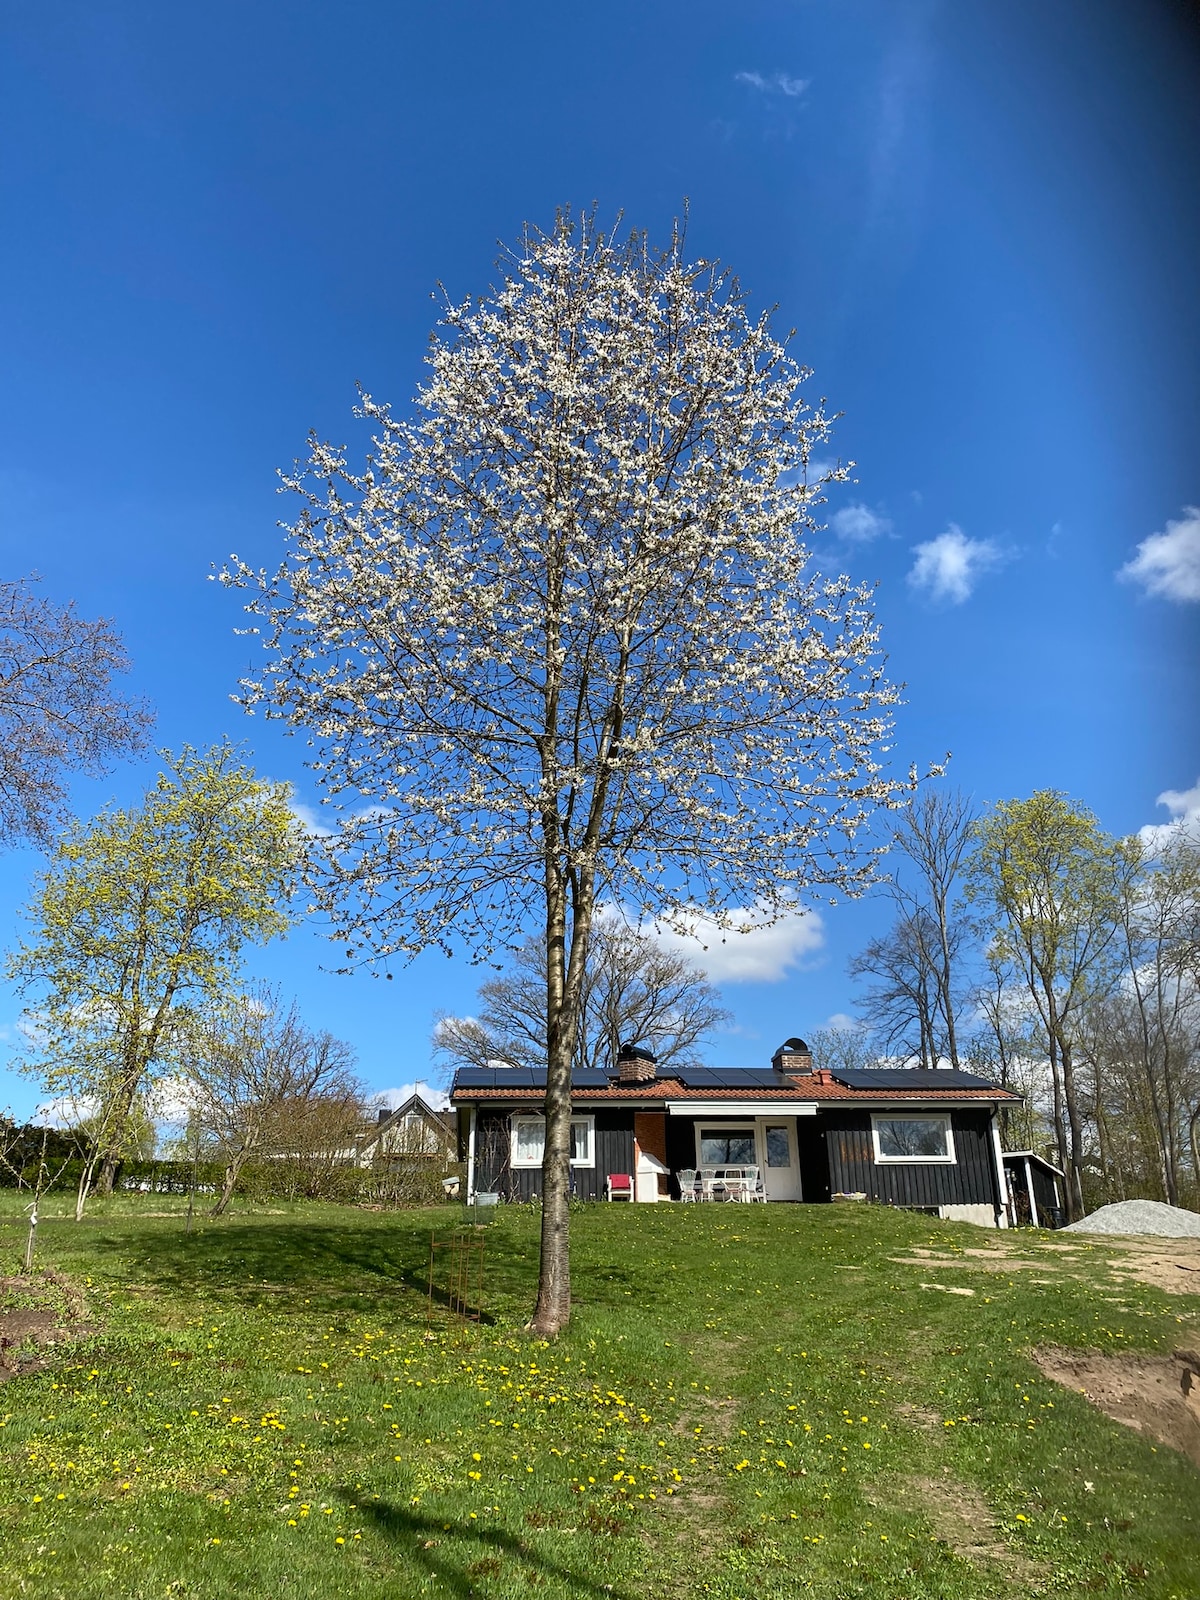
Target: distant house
[928,1139]
[413,1132]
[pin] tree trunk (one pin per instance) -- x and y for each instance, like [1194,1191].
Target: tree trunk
[945,983]
[566,962]
[1060,1126]
[1075,1125]
[232,1172]
[553,1309]
[85,1186]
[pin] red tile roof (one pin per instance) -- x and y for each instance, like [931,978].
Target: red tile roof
[671,1089]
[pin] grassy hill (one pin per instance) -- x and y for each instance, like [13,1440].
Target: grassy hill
[752,1402]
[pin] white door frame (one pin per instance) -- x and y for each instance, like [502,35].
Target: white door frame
[779,1183]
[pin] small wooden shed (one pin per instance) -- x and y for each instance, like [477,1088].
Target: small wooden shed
[1035,1190]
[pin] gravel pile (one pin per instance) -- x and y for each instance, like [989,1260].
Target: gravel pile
[1141,1216]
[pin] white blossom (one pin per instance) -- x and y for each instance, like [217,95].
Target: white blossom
[562,627]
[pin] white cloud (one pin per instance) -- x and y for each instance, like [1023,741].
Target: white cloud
[949,567]
[64,1111]
[391,1098]
[1168,563]
[842,1022]
[764,953]
[774,83]
[858,523]
[1183,805]
[171,1102]
[309,820]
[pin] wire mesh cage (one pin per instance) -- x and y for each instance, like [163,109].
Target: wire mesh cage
[456,1263]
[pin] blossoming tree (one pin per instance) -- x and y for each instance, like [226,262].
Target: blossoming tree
[558,642]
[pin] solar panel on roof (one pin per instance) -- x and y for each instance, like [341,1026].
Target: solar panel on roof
[493,1077]
[523,1078]
[764,1078]
[909,1078]
[728,1078]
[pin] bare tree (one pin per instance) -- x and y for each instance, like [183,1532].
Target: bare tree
[901,1006]
[559,643]
[262,1085]
[842,1049]
[934,832]
[632,989]
[1005,1050]
[59,712]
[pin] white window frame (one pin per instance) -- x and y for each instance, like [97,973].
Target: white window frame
[950,1159]
[732,1125]
[588,1159]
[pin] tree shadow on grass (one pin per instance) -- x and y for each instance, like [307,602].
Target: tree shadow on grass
[424,1535]
[333,1268]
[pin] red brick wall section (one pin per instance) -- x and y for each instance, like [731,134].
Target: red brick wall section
[650,1131]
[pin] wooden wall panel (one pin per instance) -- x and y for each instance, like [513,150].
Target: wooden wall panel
[970,1180]
[493,1165]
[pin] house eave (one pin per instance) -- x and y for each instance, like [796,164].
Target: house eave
[741,1108]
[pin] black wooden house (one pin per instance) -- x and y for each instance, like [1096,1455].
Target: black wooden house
[897,1136]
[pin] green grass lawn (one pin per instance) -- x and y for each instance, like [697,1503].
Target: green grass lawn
[751,1402]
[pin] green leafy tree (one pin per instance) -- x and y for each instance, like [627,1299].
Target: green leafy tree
[1043,874]
[140,913]
[1143,1038]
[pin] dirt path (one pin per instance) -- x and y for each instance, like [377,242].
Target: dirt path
[1155,1395]
[1169,1264]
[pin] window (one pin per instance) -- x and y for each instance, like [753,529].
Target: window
[912,1138]
[529,1141]
[721,1147]
[779,1152]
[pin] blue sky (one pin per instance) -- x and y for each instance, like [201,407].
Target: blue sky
[979,217]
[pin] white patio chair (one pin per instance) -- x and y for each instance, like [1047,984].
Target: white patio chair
[688,1184]
[739,1185]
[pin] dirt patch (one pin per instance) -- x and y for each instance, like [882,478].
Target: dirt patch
[1156,1395]
[716,1418]
[1170,1264]
[995,1261]
[920,1417]
[961,1518]
[37,1313]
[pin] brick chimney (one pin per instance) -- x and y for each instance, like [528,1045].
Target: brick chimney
[793,1059]
[635,1064]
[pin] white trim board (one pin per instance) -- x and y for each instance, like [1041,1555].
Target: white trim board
[742,1108]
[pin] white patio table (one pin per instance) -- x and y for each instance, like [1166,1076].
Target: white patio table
[728,1183]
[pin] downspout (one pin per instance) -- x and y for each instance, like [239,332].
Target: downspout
[471,1159]
[1033,1210]
[998,1157]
